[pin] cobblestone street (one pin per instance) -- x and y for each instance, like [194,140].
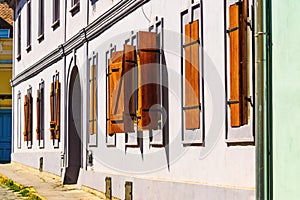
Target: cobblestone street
[6,194]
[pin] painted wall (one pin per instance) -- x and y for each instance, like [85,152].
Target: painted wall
[286,97]
[219,170]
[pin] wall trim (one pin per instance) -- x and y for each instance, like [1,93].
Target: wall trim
[93,30]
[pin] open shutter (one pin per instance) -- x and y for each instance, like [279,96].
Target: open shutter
[244,64]
[115,94]
[25,118]
[29,117]
[38,115]
[52,122]
[192,92]
[238,64]
[129,78]
[93,107]
[57,95]
[148,79]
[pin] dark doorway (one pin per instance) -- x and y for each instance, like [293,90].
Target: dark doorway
[74,158]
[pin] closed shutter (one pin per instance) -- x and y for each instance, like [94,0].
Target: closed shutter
[238,65]
[192,93]
[38,115]
[52,122]
[115,94]
[129,78]
[29,117]
[93,105]
[25,118]
[57,95]
[149,78]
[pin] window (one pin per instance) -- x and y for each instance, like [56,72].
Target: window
[93,100]
[19,130]
[28,25]
[56,14]
[41,21]
[55,110]
[75,7]
[127,107]
[28,118]
[19,36]
[239,73]
[40,129]
[192,76]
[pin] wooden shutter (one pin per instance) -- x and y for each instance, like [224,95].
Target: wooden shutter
[29,116]
[57,95]
[93,100]
[192,92]
[52,122]
[38,115]
[129,78]
[25,118]
[149,79]
[115,94]
[238,64]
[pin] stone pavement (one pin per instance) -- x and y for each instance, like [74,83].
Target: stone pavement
[45,184]
[6,194]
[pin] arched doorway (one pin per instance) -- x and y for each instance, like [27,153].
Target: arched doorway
[74,151]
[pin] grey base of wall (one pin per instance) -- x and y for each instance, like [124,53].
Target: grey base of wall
[162,189]
[142,188]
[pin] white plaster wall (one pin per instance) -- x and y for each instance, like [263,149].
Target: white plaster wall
[52,38]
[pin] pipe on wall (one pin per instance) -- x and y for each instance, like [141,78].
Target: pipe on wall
[259,98]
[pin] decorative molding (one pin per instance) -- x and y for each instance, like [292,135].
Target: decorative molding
[93,30]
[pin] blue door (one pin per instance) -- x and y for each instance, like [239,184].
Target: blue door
[5,135]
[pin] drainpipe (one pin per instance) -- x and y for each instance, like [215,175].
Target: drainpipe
[259,99]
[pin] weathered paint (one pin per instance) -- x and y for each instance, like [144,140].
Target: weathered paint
[5,135]
[286,98]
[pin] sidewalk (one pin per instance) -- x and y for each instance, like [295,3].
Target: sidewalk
[46,185]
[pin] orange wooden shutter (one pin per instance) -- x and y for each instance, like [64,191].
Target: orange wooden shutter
[149,79]
[192,93]
[115,94]
[238,64]
[93,105]
[129,63]
[52,122]
[25,118]
[38,130]
[244,64]
[57,127]
[29,117]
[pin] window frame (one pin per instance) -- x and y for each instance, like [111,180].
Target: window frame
[19,121]
[243,134]
[41,139]
[28,47]
[93,62]
[41,20]
[19,45]
[196,136]
[56,14]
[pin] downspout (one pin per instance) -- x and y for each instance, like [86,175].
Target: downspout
[259,99]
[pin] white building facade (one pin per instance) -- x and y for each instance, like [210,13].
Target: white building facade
[141,99]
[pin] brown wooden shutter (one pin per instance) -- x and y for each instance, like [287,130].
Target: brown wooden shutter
[93,99]
[115,94]
[29,117]
[238,64]
[52,122]
[149,79]
[129,78]
[57,95]
[192,92]
[25,118]
[38,115]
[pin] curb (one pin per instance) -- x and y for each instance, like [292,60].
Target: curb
[29,192]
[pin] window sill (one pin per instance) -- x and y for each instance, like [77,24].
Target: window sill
[55,24]
[241,141]
[75,9]
[28,48]
[41,37]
